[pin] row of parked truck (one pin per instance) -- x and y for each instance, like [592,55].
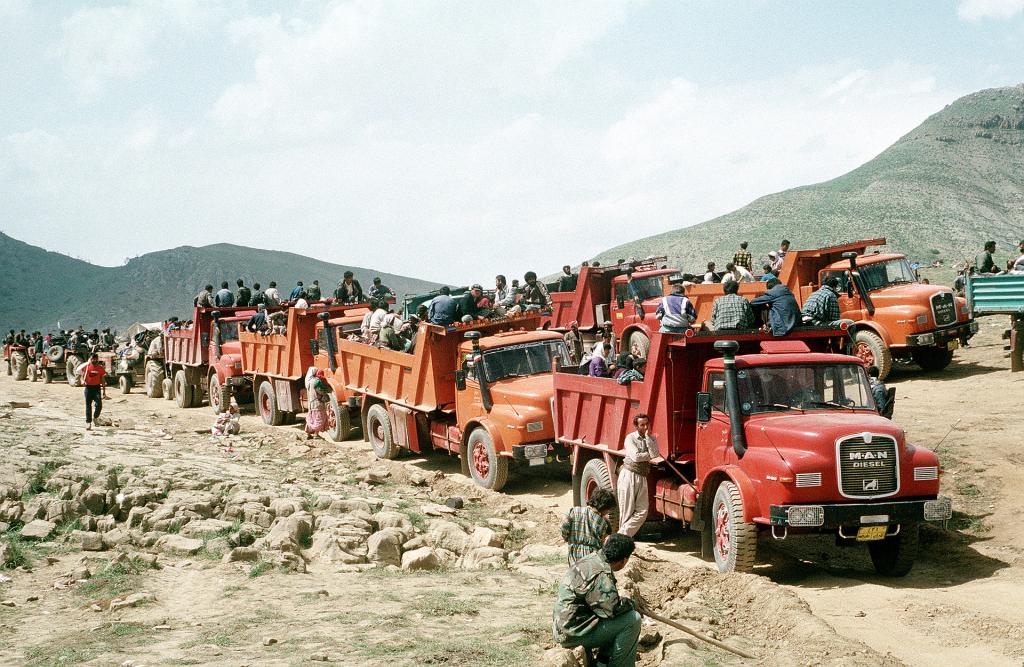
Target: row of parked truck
[762,437]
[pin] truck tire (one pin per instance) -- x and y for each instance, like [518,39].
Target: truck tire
[55,353]
[487,468]
[266,401]
[339,421]
[932,358]
[47,375]
[596,476]
[33,373]
[378,432]
[182,391]
[894,556]
[124,383]
[10,371]
[20,362]
[72,364]
[734,542]
[217,394]
[639,340]
[154,380]
[168,388]
[871,349]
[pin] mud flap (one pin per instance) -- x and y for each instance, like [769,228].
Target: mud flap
[403,428]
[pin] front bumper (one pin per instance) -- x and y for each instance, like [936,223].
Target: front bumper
[238,381]
[540,453]
[940,337]
[862,514]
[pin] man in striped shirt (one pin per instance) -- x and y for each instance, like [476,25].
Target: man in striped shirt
[585,528]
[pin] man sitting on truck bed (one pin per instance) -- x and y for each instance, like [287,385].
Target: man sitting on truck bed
[589,611]
[822,308]
[675,312]
[535,294]
[783,310]
[731,311]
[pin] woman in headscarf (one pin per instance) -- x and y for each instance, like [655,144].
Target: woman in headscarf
[623,364]
[317,396]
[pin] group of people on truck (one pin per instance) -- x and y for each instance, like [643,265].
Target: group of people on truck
[348,291]
[384,328]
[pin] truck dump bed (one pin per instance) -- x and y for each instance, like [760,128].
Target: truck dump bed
[191,346]
[288,355]
[425,379]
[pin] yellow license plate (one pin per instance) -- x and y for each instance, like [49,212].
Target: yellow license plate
[871,533]
[952,345]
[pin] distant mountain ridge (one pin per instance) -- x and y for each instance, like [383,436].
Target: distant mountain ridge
[41,287]
[939,192]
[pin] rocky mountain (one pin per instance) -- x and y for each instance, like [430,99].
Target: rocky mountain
[42,287]
[938,193]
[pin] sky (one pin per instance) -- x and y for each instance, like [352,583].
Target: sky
[454,140]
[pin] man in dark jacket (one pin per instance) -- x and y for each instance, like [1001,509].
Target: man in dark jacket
[984,262]
[205,298]
[313,292]
[380,291]
[349,290]
[258,322]
[224,298]
[296,291]
[257,297]
[243,295]
[443,308]
[783,311]
[469,305]
[567,281]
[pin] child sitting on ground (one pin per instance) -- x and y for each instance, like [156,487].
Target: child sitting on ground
[585,528]
[228,422]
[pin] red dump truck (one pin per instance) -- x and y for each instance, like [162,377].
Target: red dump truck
[276,364]
[481,391]
[780,439]
[202,358]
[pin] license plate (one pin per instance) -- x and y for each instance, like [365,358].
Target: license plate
[871,533]
[952,345]
[538,462]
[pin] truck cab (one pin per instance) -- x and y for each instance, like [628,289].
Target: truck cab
[897,316]
[226,378]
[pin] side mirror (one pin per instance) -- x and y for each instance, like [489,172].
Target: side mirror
[620,301]
[703,406]
[460,380]
[314,346]
[849,286]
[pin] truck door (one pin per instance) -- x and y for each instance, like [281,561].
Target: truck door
[847,303]
[714,445]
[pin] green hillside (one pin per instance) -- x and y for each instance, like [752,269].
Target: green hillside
[42,287]
[937,193]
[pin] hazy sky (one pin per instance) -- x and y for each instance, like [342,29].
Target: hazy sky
[452,140]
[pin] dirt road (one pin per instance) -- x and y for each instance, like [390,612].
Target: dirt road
[145,513]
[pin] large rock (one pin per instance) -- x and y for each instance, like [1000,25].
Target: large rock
[137,515]
[331,547]
[288,533]
[448,535]
[385,546]
[393,520]
[349,506]
[286,506]
[559,657]
[241,554]
[485,537]
[90,541]
[483,558]
[205,527]
[38,529]
[420,559]
[94,501]
[178,544]
[115,537]
[133,600]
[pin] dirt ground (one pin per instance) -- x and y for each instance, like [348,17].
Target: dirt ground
[163,546]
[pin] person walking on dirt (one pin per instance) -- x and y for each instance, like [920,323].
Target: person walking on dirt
[585,528]
[243,294]
[205,298]
[641,450]
[743,257]
[271,295]
[224,298]
[92,374]
[783,310]
[589,612]
[313,291]
[822,308]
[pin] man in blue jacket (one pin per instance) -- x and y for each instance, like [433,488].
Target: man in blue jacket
[783,311]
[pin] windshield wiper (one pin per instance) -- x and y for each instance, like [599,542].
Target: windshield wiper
[900,281]
[828,404]
[778,406]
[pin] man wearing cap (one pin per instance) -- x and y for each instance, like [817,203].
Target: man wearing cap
[349,290]
[469,305]
[381,292]
[574,341]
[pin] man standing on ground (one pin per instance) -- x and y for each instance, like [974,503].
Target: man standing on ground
[783,310]
[589,611]
[242,295]
[224,298]
[743,257]
[822,308]
[641,450]
[92,374]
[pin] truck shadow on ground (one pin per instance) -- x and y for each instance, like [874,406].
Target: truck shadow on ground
[958,370]
[552,481]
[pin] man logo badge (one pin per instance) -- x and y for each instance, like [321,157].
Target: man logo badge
[871,485]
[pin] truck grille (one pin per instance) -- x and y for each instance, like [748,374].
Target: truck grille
[868,466]
[944,309]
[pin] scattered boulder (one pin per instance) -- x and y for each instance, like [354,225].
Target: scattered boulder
[178,544]
[385,547]
[133,600]
[448,535]
[288,533]
[38,529]
[485,537]
[239,554]
[205,527]
[420,559]
[90,541]
[484,557]
[286,506]
[559,657]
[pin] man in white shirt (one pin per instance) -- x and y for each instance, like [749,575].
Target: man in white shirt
[641,450]
[737,273]
[273,297]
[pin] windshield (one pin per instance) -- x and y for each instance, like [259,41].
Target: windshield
[810,387]
[645,288]
[525,359]
[882,274]
[228,331]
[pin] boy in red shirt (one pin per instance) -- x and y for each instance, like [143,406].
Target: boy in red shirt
[92,374]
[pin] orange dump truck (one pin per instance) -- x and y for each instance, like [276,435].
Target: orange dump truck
[481,391]
[277,365]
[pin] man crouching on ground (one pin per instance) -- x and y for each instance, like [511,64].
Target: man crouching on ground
[589,611]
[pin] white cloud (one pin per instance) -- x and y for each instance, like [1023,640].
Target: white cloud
[975,10]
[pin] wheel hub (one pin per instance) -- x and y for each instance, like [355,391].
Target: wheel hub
[863,351]
[723,531]
[481,462]
[265,405]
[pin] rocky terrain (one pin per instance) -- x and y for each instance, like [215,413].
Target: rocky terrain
[149,542]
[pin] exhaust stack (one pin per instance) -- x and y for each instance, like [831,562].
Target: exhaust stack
[732,395]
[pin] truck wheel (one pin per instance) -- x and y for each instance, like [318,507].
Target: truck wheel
[894,556]
[73,363]
[33,373]
[182,390]
[378,427]
[871,349]
[224,397]
[20,366]
[124,383]
[932,358]
[10,371]
[638,340]
[487,468]
[734,542]
[597,476]
[168,388]
[47,375]
[267,402]
[216,397]
[154,381]
[339,422]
